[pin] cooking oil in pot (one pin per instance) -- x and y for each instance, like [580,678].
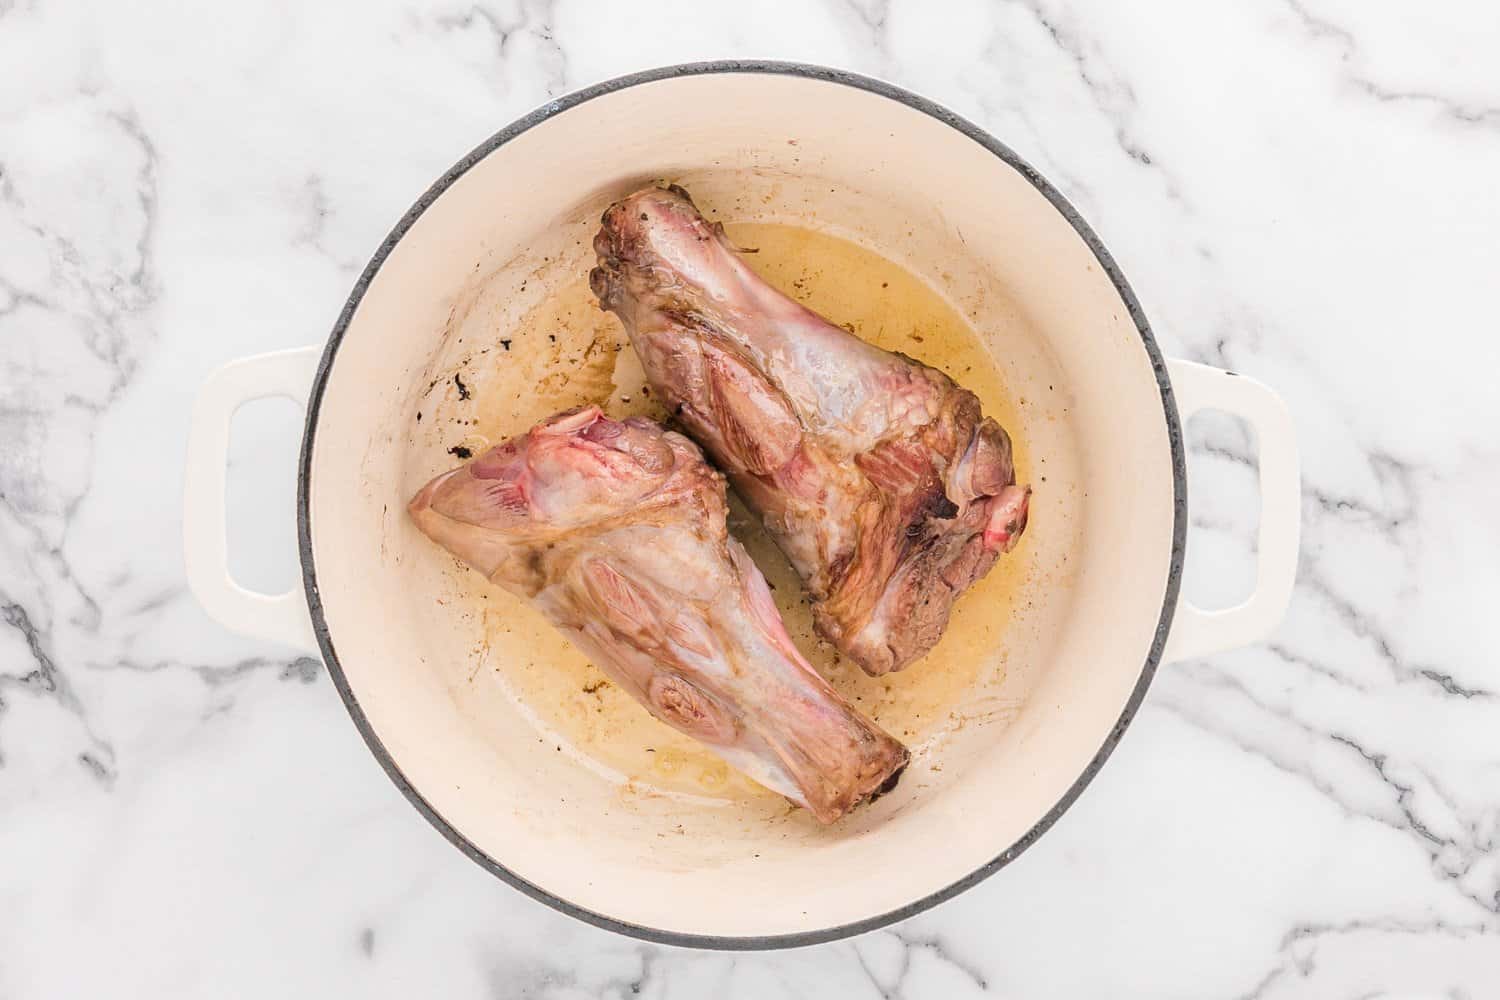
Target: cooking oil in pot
[566,352]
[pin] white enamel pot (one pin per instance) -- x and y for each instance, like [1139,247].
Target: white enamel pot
[393,617]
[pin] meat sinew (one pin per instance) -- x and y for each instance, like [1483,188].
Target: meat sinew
[616,532]
[882,481]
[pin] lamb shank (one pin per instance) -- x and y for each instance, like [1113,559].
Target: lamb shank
[880,478]
[616,532]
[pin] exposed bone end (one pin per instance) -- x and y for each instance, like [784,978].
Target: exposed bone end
[1008,516]
[884,761]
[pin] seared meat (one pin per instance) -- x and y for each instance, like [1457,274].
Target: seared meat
[616,531]
[879,477]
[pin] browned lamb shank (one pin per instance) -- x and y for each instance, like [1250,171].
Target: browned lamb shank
[882,481]
[616,532]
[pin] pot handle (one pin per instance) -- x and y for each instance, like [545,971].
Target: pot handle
[1196,632]
[279,617]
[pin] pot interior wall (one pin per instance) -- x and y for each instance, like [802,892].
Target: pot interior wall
[1052,650]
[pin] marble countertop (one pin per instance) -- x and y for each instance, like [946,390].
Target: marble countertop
[1303,190]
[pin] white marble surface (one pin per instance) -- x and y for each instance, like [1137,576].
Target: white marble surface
[1305,190]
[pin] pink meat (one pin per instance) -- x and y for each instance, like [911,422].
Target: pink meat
[880,478]
[616,531]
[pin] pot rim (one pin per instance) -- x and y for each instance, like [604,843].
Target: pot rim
[826,75]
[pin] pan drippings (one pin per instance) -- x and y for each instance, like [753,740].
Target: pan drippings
[566,352]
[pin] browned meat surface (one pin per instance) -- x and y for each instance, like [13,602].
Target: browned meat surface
[616,531]
[880,478]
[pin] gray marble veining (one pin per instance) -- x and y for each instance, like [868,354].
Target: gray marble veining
[1299,189]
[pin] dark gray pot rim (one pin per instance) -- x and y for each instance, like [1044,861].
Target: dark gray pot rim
[1169,412]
